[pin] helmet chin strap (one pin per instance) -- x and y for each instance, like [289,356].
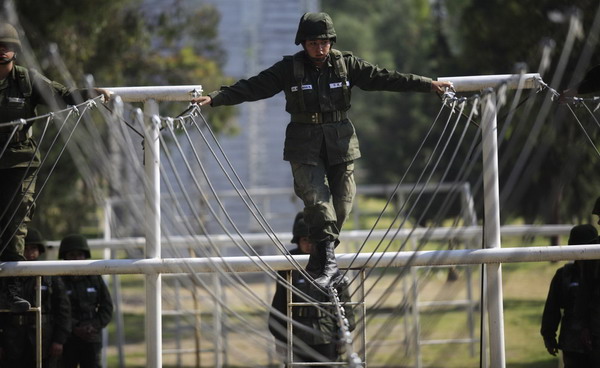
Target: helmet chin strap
[6,61]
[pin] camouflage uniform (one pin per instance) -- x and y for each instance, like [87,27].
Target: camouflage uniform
[91,311]
[18,330]
[573,291]
[20,94]
[318,328]
[320,141]
[560,310]
[17,334]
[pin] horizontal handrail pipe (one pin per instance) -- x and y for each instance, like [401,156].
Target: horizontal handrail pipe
[464,233]
[281,263]
[158,93]
[481,82]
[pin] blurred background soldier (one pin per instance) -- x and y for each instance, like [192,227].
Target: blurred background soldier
[316,332]
[560,306]
[91,308]
[18,331]
[21,91]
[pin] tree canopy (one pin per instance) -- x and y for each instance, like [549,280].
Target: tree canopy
[120,43]
[545,178]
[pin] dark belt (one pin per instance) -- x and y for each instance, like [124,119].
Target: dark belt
[19,136]
[319,117]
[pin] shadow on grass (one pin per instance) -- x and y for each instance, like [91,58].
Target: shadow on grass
[548,363]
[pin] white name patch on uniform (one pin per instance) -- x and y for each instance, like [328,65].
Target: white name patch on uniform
[338,85]
[304,87]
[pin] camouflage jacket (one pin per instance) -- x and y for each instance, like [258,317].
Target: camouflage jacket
[20,94]
[320,325]
[91,302]
[320,91]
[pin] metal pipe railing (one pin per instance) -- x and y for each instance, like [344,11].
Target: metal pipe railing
[282,263]
[462,233]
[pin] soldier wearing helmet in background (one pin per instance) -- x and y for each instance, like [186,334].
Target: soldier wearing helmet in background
[560,307]
[317,339]
[321,143]
[18,330]
[21,91]
[91,308]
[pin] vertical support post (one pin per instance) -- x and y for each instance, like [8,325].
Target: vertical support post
[491,229]
[38,321]
[218,322]
[178,309]
[363,310]
[197,315]
[470,219]
[116,292]
[414,295]
[290,326]
[153,234]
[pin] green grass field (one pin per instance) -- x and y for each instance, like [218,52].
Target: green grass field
[524,286]
[389,327]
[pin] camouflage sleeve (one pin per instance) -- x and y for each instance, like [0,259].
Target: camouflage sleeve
[54,94]
[551,315]
[277,325]
[266,84]
[61,311]
[105,305]
[369,77]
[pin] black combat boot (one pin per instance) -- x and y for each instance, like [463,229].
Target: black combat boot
[313,267]
[14,301]
[329,270]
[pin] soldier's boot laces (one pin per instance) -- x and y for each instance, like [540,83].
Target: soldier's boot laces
[13,293]
[329,273]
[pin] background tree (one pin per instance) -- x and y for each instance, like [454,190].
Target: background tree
[405,36]
[466,37]
[121,43]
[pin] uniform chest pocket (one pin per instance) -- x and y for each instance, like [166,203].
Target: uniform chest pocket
[15,103]
[336,91]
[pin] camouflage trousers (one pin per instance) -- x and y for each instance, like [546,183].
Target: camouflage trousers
[17,189]
[327,193]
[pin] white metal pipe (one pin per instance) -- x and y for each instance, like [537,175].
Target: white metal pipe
[460,233]
[153,234]
[164,93]
[282,263]
[481,82]
[491,229]
[38,322]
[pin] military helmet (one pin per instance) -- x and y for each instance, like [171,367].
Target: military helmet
[314,26]
[596,210]
[73,242]
[34,237]
[583,234]
[300,228]
[9,34]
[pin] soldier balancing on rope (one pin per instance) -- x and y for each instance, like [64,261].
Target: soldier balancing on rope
[321,143]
